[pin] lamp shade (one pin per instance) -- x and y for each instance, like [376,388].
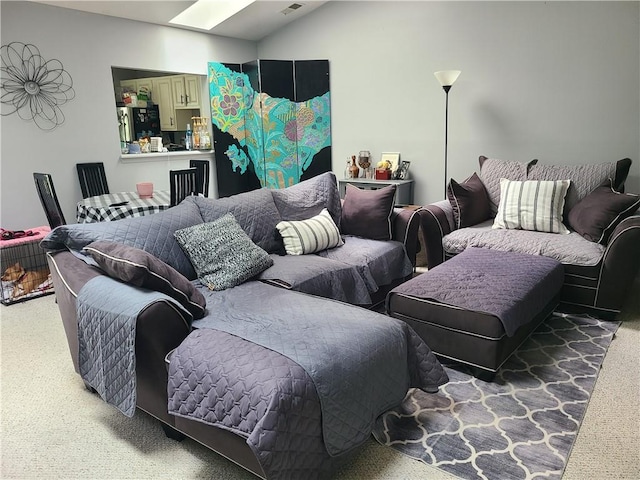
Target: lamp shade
[447,77]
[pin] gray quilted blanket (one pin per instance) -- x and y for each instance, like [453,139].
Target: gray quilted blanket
[511,286]
[107,311]
[358,362]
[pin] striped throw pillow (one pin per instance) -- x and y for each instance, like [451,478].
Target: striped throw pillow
[309,236]
[532,205]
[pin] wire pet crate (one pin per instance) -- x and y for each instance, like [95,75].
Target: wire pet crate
[23,264]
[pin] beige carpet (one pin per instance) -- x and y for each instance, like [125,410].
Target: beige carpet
[53,428]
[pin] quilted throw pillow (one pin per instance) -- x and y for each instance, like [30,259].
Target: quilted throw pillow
[469,201]
[599,213]
[223,255]
[532,205]
[309,236]
[367,213]
[137,267]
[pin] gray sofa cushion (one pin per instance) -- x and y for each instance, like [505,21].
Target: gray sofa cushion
[378,262]
[254,211]
[318,276]
[307,198]
[493,169]
[151,233]
[569,249]
[584,178]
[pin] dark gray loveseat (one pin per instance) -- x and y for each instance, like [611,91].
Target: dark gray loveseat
[600,254]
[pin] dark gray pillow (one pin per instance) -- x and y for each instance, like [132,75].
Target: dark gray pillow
[367,213]
[222,253]
[307,198]
[469,201]
[599,213]
[137,267]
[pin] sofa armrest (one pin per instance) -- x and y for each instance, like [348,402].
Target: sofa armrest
[435,224]
[160,328]
[404,228]
[621,264]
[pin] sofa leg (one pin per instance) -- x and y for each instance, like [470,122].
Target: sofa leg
[89,387]
[172,433]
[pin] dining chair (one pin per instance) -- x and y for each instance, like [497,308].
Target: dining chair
[49,199]
[202,175]
[93,180]
[182,183]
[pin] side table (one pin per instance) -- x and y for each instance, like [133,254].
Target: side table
[404,188]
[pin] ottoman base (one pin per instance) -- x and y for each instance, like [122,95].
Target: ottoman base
[488,353]
[478,307]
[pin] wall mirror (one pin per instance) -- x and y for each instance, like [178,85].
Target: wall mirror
[157,104]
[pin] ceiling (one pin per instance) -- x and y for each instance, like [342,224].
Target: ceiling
[252,23]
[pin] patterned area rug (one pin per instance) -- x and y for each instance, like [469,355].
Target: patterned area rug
[520,426]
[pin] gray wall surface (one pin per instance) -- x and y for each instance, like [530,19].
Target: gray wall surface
[557,81]
[88,46]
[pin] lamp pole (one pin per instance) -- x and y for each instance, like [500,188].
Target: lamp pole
[446,79]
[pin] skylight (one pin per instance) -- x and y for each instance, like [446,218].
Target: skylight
[206,14]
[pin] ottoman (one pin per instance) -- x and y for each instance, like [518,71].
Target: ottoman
[479,306]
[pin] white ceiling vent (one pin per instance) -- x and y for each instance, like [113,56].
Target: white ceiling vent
[291,8]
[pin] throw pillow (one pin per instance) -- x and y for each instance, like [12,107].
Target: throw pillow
[597,215]
[142,269]
[367,213]
[309,236]
[223,255]
[469,201]
[532,205]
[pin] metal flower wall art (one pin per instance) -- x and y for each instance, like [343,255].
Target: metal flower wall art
[33,87]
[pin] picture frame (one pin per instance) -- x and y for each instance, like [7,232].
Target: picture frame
[403,170]
[393,158]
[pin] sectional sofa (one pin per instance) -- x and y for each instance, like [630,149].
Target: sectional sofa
[234,320]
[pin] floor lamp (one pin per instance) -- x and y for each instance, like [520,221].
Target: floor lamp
[446,78]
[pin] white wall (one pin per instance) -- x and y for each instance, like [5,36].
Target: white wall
[557,81]
[88,46]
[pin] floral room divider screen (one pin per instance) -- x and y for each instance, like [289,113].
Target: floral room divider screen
[271,123]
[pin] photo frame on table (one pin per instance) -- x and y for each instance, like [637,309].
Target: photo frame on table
[403,171]
[393,158]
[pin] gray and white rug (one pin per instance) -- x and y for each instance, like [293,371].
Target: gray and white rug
[520,426]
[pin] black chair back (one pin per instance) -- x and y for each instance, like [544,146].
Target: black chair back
[93,180]
[202,175]
[49,199]
[182,183]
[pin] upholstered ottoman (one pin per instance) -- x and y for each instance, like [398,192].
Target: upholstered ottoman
[479,306]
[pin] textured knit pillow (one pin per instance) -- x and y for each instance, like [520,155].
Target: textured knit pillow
[223,255]
[367,213]
[532,205]
[469,201]
[140,268]
[599,213]
[309,236]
